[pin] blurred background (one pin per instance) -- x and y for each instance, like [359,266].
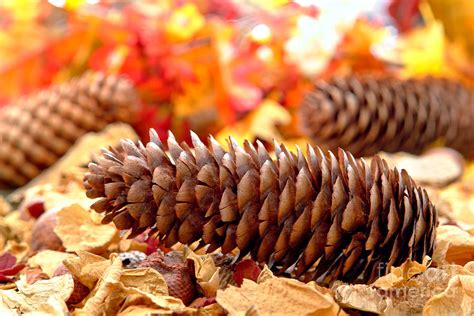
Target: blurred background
[229,67]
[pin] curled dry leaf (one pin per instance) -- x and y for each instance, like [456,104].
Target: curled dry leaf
[78,231]
[265,275]
[457,299]
[453,245]
[118,289]
[87,267]
[48,260]
[206,272]
[400,276]
[246,269]
[361,297]
[41,296]
[277,296]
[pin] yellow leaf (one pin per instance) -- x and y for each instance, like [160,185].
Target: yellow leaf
[400,276]
[77,230]
[184,23]
[457,17]
[277,296]
[423,51]
[260,123]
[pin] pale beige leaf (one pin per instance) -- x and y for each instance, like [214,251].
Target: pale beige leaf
[400,276]
[265,274]
[145,279]
[454,245]
[206,272]
[457,299]
[361,297]
[44,296]
[87,267]
[78,231]
[48,260]
[277,296]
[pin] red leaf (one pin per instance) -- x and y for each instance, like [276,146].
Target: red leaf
[35,208]
[202,301]
[404,13]
[8,267]
[7,261]
[246,269]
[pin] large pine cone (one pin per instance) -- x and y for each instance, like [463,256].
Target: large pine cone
[348,219]
[37,130]
[366,114]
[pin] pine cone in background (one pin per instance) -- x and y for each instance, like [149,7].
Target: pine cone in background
[349,220]
[37,130]
[367,114]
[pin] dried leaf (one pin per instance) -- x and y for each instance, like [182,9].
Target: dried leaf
[148,280]
[206,272]
[115,290]
[78,231]
[277,296]
[246,269]
[400,276]
[437,167]
[9,267]
[457,299]
[42,296]
[454,245]
[361,297]
[49,260]
[87,267]
[265,275]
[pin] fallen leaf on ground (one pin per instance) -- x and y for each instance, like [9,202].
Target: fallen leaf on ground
[112,294]
[457,299]
[9,267]
[361,297]
[246,269]
[206,272]
[276,296]
[453,245]
[400,276]
[41,296]
[78,231]
[49,260]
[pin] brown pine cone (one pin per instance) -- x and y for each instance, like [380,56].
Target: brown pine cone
[37,130]
[346,219]
[366,114]
[178,276]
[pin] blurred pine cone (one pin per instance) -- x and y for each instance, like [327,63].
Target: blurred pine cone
[345,219]
[37,130]
[367,114]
